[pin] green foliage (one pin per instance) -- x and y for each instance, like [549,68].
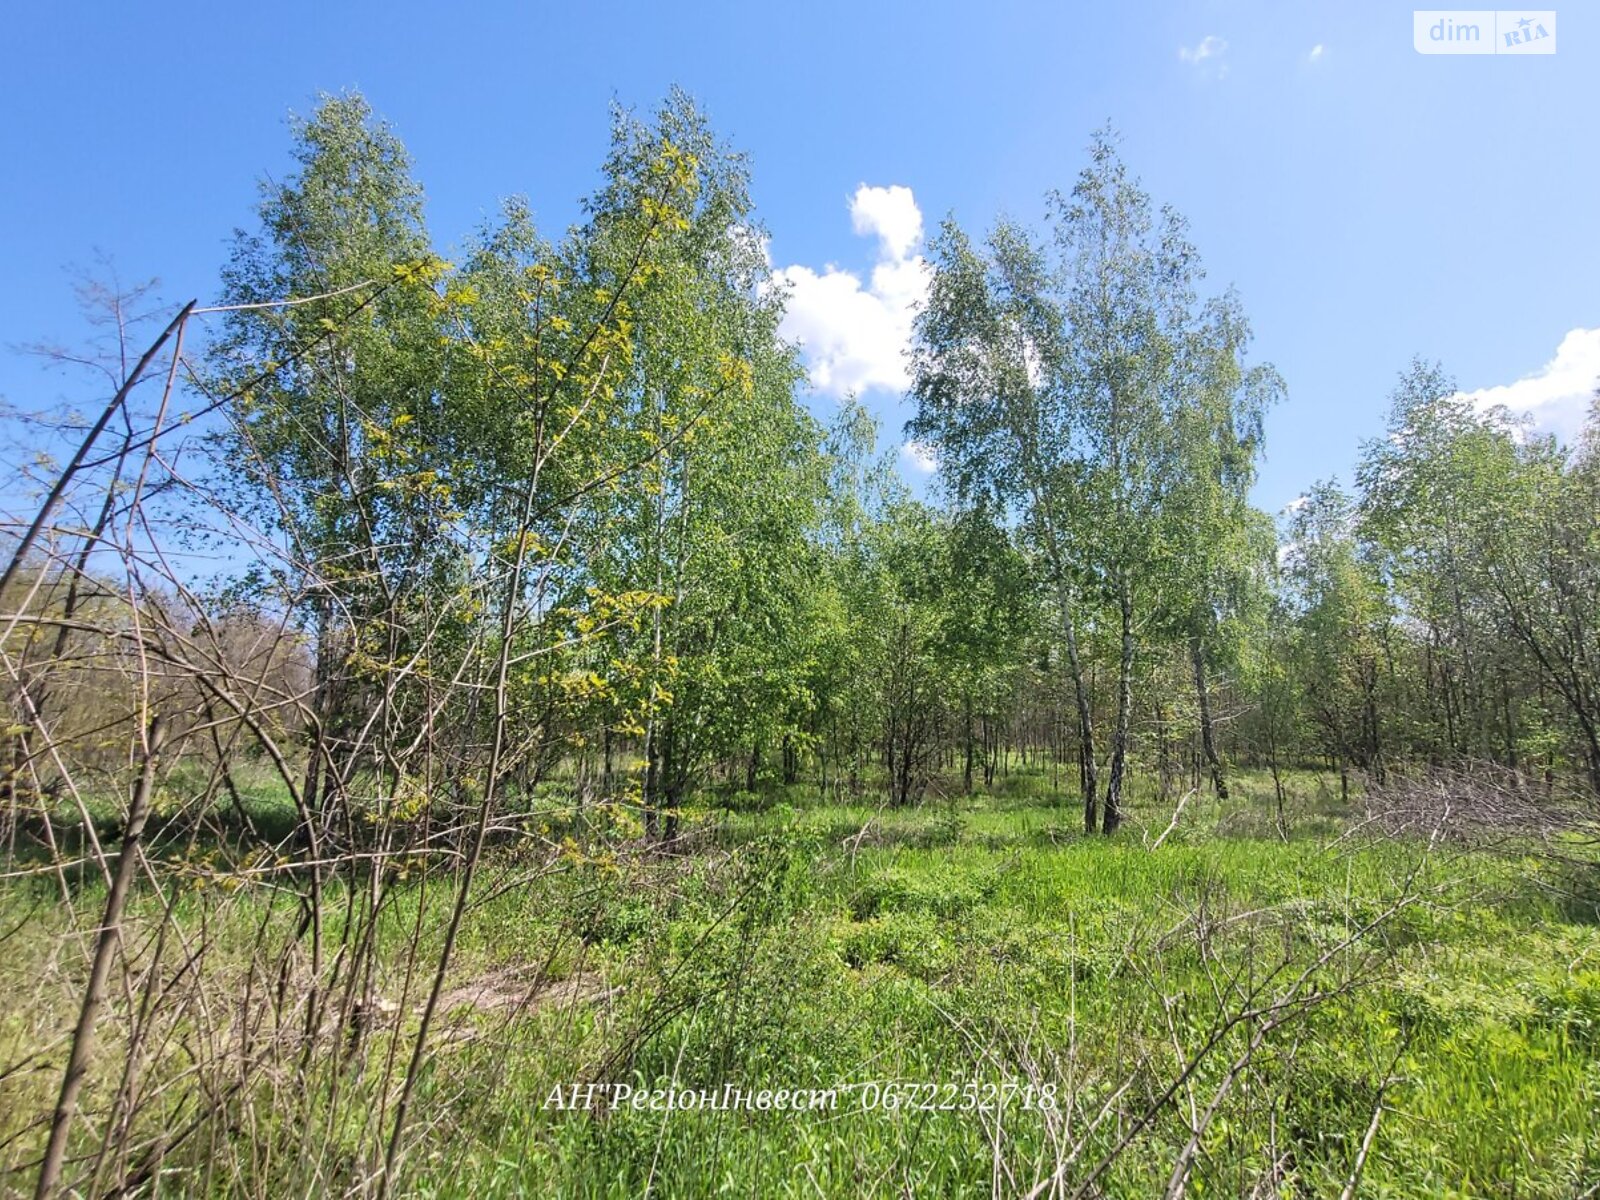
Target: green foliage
[651,721]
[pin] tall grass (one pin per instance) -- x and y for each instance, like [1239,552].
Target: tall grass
[1452,995]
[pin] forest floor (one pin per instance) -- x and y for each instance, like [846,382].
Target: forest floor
[1001,1006]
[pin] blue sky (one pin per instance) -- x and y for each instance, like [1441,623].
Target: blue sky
[1368,202]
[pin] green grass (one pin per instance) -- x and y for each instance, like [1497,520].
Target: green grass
[976,940]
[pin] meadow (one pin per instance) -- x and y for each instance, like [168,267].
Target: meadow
[1215,1006]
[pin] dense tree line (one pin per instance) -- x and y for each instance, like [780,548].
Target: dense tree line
[561,505]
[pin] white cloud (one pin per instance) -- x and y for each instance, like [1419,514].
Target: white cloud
[1556,396]
[891,214]
[920,456]
[1315,54]
[854,332]
[1211,46]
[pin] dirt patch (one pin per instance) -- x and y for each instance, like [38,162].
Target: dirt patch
[507,989]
